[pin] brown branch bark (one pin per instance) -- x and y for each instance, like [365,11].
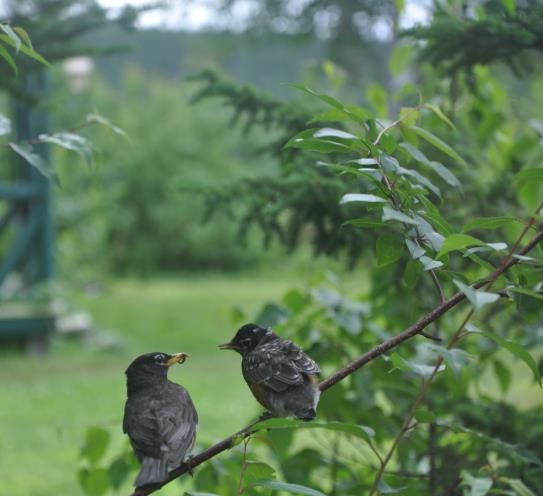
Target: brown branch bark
[349,369]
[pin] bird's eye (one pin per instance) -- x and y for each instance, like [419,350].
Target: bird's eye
[246,342]
[159,357]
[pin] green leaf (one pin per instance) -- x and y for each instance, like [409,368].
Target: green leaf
[389,163]
[438,168]
[24,49]
[94,482]
[479,486]
[25,150]
[415,250]
[488,223]
[419,178]
[454,358]
[388,143]
[256,471]
[529,176]
[325,98]
[409,116]
[438,143]
[458,242]
[515,451]
[400,59]
[96,443]
[385,488]
[8,58]
[358,114]
[106,123]
[361,431]
[527,292]
[24,35]
[389,249]
[118,471]
[510,5]
[519,487]
[317,145]
[412,273]
[436,110]
[332,115]
[377,98]
[361,197]
[5,125]
[429,235]
[476,297]
[12,36]
[444,173]
[71,141]
[514,348]
[422,369]
[329,132]
[439,222]
[429,263]
[391,214]
[289,488]
[503,375]
[423,415]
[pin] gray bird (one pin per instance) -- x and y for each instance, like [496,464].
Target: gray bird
[159,416]
[280,375]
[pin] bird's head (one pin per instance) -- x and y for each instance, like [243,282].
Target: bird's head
[246,339]
[153,365]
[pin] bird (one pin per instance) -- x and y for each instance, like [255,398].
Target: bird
[280,375]
[159,416]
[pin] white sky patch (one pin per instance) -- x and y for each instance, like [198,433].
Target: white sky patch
[199,14]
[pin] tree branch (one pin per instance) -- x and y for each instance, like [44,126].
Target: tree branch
[349,369]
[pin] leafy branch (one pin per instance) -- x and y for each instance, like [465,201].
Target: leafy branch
[69,140]
[413,330]
[407,423]
[18,39]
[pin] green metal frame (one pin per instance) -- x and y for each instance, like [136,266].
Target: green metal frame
[29,198]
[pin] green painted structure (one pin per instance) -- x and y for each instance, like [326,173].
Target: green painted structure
[28,218]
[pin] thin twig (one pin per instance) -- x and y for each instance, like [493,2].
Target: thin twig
[394,124]
[438,286]
[37,141]
[244,465]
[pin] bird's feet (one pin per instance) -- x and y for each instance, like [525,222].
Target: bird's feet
[265,416]
[188,463]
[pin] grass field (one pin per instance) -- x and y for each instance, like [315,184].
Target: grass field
[47,403]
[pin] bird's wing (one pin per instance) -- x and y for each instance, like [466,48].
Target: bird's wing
[278,364]
[141,424]
[165,425]
[178,423]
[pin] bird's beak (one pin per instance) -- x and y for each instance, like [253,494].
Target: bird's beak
[176,358]
[228,346]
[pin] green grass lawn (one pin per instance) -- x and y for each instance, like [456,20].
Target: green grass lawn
[47,403]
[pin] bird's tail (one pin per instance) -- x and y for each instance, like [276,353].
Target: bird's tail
[152,471]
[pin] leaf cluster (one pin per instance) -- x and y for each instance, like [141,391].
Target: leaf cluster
[494,31]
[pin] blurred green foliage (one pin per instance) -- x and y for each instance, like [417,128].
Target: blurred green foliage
[138,211]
